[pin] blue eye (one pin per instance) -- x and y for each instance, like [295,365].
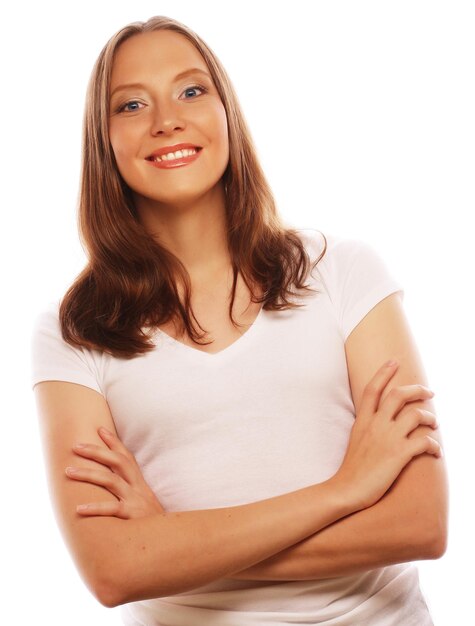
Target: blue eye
[134,105]
[129,104]
[194,87]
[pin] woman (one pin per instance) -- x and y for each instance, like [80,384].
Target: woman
[279,472]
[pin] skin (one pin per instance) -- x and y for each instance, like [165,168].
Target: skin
[184,206]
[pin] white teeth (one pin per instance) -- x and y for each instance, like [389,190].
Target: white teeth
[175,155]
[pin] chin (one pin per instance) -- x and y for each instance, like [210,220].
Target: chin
[183,194]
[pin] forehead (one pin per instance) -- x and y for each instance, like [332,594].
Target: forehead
[161,54]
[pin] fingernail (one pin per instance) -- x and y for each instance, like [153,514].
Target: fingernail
[82,507]
[71,470]
[104,431]
[391,363]
[79,445]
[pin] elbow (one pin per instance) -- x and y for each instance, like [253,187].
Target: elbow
[104,587]
[439,545]
[436,547]
[114,586]
[104,570]
[107,596]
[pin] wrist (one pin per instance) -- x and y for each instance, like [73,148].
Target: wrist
[342,494]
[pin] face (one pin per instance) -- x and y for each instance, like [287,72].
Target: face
[152,107]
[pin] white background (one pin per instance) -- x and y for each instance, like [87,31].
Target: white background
[363,117]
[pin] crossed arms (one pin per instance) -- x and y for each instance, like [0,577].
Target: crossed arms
[408,523]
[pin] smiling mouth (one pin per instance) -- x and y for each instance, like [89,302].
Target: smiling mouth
[174,156]
[174,160]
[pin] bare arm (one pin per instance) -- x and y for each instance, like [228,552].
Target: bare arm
[411,521]
[391,531]
[163,554]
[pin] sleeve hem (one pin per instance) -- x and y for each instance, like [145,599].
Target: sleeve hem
[64,378]
[366,304]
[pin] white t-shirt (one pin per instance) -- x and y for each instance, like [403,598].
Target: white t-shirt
[269,414]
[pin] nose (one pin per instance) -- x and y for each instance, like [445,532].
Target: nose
[165,120]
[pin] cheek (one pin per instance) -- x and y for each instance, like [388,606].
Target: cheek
[122,142]
[219,123]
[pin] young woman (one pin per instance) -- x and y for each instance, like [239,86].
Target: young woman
[278,472]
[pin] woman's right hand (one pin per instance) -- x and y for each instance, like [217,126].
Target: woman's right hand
[379,447]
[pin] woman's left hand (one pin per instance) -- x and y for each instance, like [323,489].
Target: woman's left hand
[121,476]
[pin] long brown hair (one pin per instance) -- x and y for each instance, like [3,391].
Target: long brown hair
[129,281]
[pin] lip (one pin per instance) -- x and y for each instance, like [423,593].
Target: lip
[167,149]
[166,165]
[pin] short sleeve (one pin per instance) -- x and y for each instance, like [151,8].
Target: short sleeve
[356,278]
[52,358]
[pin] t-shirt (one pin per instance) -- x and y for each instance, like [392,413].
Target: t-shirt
[269,414]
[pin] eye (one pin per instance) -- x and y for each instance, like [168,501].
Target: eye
[133,104]
[194,88]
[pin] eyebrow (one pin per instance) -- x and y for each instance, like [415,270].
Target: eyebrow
[191,70]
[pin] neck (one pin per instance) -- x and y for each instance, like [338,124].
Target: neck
[195,233]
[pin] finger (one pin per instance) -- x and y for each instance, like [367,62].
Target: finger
[419,445]
[97,453]
[114,443]
[373,390]
[399,396]
[112,482]
[111,509]
[417,417]
[116,461]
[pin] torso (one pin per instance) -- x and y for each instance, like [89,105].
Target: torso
[211,308]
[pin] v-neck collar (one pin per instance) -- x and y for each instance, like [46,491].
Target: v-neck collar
[228,349]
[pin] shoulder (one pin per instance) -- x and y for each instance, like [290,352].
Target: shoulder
[46,324]
[46,329]
[342,258]
[53,358]
[352,273]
